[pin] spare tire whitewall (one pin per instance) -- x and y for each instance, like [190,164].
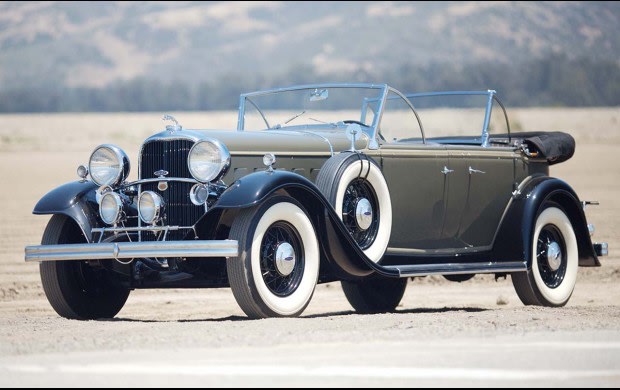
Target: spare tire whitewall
[278,267]
[357,190]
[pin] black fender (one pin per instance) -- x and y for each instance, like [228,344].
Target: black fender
[340,252]
[77,200]
[516,232]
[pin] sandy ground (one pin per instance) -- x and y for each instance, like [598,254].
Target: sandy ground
[475,333]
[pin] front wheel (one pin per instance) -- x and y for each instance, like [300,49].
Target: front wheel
[375,295]
[555,259]
[277,268]
[75,289]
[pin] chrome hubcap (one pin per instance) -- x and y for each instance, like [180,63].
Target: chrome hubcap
[363,214]
[285,258]
[554,255]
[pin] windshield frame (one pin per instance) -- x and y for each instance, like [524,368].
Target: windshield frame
[382,89]
[491,97]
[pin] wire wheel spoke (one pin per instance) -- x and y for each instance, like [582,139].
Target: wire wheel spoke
[549,235]
[281,283]
[357,190]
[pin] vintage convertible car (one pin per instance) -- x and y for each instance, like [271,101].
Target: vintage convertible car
[356,183]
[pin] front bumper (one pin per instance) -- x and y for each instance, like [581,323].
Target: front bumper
[132,250]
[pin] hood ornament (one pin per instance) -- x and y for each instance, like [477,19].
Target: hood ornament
[172,128]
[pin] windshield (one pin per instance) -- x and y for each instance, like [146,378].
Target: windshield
[309,106]
[459,114]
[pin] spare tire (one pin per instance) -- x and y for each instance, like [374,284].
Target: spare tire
[355,187]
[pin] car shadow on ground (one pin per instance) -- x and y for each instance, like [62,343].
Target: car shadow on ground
[322,315]
[427,310]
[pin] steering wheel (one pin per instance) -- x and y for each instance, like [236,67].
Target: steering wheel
[354,121]
[365,125]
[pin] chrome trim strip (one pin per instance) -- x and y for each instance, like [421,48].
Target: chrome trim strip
[431,252]
[132,250]
[157,180]
[457,268]
[141,229]
[314,86]
[190,135]
[487,119]
[280,154]
[331,147]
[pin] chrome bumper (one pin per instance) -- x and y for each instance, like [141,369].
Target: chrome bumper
[132,250]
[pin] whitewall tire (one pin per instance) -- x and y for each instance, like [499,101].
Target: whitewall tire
[278,265]
[555,260]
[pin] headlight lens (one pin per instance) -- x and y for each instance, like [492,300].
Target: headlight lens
[108,165]
[208,161]
[110,208]
[199,194]
[149,207]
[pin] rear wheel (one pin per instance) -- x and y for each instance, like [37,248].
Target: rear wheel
[278,265]
[74,288]
[375,294]
[555,259]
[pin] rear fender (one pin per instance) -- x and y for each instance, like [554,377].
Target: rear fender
[516,232]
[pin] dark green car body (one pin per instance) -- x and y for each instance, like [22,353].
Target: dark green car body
[458,204]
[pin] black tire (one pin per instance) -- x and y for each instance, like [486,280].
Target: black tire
[551,279]
[264,286]
[75,289]
[347,180]
[375,295]
[459,278]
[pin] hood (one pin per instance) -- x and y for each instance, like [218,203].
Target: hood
[283,142]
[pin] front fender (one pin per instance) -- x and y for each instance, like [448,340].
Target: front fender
[514,238]
[76,200]
[252,189]
[342,255]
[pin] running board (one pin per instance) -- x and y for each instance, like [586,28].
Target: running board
[406,271]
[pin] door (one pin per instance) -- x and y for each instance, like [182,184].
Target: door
[457,192]
[413,172]
[490,182]
[417,190]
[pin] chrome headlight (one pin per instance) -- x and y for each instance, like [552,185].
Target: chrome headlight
[149,207]
[208,161]
[108,165]
[110,208]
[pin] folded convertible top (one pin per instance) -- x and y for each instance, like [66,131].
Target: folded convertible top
[555,146]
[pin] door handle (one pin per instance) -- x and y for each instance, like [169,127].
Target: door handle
[445,170]
[472,170]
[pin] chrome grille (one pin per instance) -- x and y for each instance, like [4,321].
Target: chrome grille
[171,156]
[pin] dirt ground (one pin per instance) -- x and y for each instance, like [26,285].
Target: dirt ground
[465,334]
